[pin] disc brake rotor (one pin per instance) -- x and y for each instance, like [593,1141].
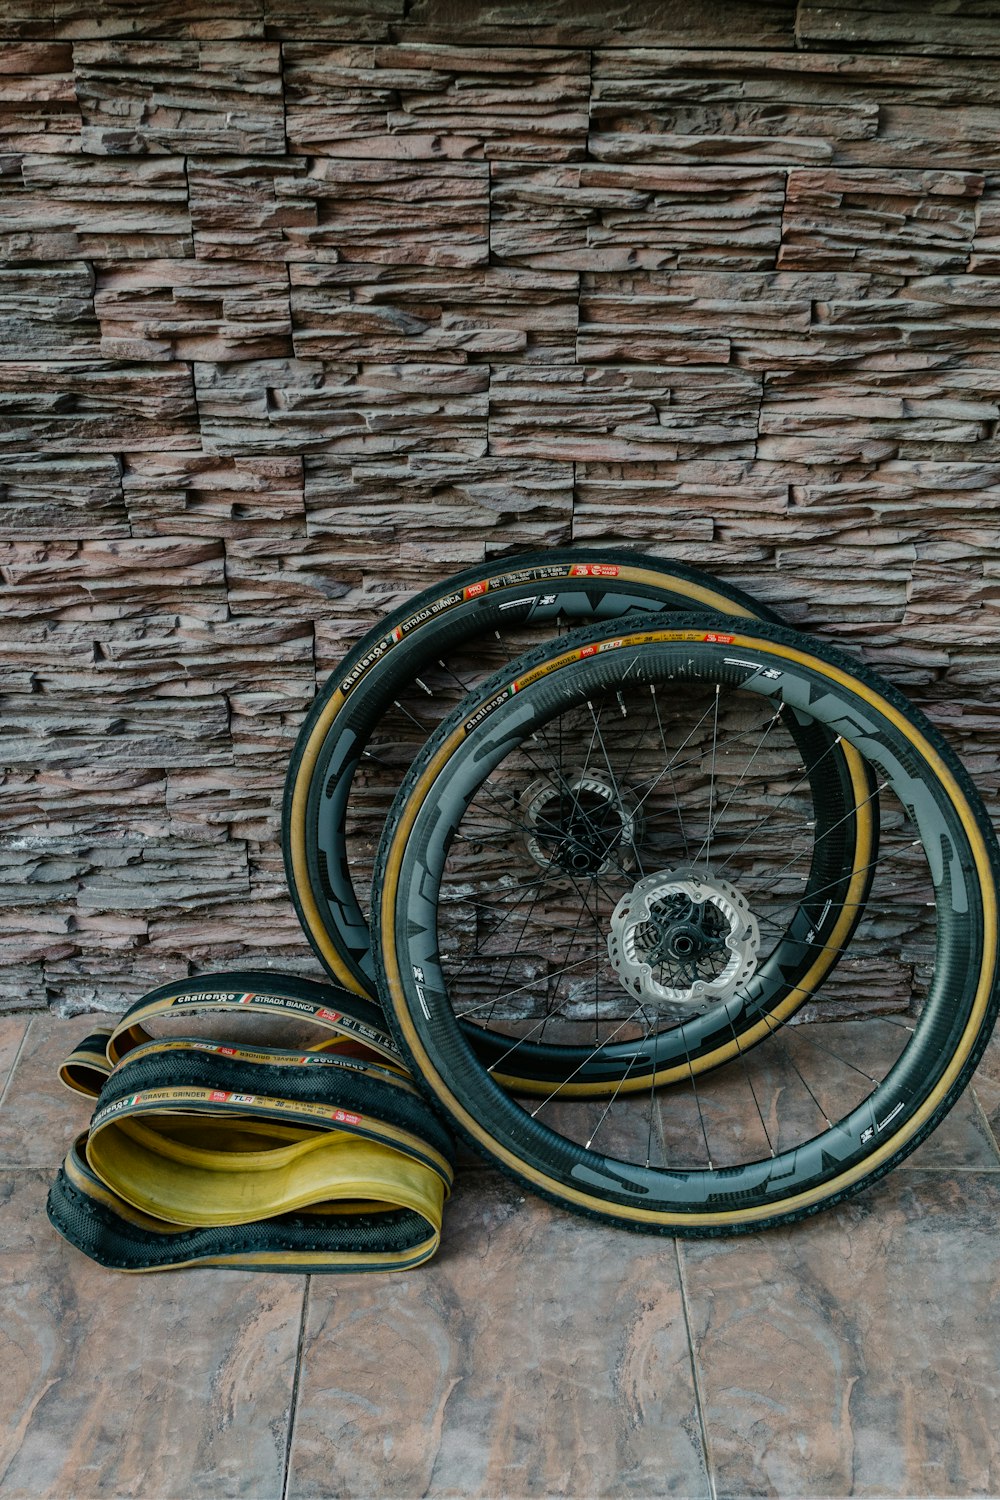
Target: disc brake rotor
[683,941]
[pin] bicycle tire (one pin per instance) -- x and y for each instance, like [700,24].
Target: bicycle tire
[929,793]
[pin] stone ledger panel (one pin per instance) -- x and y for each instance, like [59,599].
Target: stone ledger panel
[302,307]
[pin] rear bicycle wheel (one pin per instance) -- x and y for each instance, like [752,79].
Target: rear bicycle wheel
[393,688]
[679,954]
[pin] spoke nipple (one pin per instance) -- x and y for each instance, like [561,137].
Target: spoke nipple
[587,1146]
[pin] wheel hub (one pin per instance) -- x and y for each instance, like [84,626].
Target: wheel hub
[683,941]
[585,826]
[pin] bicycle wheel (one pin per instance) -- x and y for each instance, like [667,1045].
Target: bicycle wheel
[679,928]
[378,708]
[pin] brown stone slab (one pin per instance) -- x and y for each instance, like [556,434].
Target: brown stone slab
[909,222]
[179,96]
[191,309]
[261,931]
[620,218]
[62,495]
[22,987]
[83,801]
[490,503]
[331,20]
[599,413]
[99,900]
[106,580]
[71,19]
[543,1354]
[937,27]
[399,213]
[457,315]
[267,574]
[107,731]
[187,658]
[707,317]
[910,410]
[39,110]
[250,208]
[300,406]
[240,802]
[570,22]
[95,406]
[985,256]
[189,1397]
[105,978]
[48,311]
[145,693]
[802,108]
[201,495]
[431,101]
[856,1352]
[685,510]
[55,207]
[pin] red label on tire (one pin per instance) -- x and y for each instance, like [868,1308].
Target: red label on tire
[594,570]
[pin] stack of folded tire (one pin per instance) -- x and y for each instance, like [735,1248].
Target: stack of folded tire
[684,919]
[284,1135]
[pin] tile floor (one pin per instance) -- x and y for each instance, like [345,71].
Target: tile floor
[539,1355]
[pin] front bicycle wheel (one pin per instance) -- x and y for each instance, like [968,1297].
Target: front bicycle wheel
[679,927]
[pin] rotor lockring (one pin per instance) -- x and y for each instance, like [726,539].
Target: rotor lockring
[683,941]
[584,824]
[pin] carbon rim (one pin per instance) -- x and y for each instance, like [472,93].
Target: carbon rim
[796,1120]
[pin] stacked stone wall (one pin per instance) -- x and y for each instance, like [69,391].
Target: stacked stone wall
[303,307]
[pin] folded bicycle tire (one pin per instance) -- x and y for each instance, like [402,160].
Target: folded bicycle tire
[204,1151]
